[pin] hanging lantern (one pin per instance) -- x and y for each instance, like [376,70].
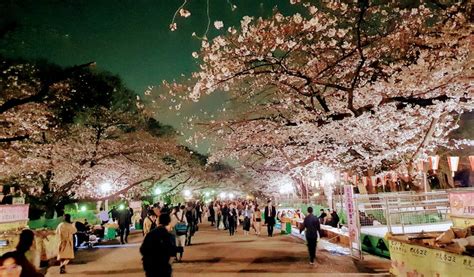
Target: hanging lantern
[453,162]
[434,160]
[471,161]
[394,177]
[364,180]
[373,180]
[345,176]
[354,179]
[420,165]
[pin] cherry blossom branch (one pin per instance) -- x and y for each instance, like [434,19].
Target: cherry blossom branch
[15,138]
[127,188]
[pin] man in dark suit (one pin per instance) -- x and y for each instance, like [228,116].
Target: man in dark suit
[270,214]
[313,228]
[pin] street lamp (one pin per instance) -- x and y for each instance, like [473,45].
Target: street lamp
[83,208]
[157,191]
[222,195]
[231,196]
[187,193]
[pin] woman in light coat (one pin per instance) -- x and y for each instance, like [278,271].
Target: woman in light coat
[65,232]
[179,214]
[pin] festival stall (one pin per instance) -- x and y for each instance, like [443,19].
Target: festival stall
[13,219]
[449,253]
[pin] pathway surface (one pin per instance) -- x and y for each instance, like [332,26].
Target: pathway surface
[215,253]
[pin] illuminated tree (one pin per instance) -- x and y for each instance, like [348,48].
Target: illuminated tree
[366,85]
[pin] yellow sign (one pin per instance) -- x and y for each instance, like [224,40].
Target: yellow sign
[415,260]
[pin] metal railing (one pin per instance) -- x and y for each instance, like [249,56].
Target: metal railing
[403,209]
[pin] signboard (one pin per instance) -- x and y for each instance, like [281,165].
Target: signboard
[411,260]
[18,200]
[462,203]
[352,221]
[13,213]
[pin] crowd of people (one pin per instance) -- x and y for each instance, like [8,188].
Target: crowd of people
[229,215]
[168,230]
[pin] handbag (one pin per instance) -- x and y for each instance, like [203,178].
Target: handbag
[181,227]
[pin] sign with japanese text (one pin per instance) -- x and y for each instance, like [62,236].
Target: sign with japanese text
[354,232]
[414,260]
[462,203]
[13,213]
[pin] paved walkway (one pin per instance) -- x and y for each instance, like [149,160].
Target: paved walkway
[215,253]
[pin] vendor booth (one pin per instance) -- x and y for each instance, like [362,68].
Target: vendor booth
[449,253]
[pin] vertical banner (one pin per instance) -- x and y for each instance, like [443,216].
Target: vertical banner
[352,222]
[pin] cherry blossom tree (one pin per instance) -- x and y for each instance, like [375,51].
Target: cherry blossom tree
[360,86]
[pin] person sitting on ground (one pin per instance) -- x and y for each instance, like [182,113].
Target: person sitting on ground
[328,218]
[27,238]
[157,249]
[322,216]
[334,219]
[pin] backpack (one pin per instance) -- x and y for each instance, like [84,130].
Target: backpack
[181,227]
[153,224]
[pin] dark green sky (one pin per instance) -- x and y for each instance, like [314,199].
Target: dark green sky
[127,37]
[130,38]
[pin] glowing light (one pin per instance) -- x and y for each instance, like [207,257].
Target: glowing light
[231,196]
[222,195]
[83,208]
[328,178]
[105,187]
[157,191]
[286,188]
[187,193]
[207,194]
[121,206]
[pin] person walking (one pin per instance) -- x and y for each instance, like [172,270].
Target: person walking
[157,249]
[232,219]
[149,223]
[212,214]
[103,217]
[27,238]
[270,214]
[248,216]
[179,228]
[191,217]
[225,216]
[65,232]
[218,213]
[313,228]
[257,220]
[124,225]
[113,213]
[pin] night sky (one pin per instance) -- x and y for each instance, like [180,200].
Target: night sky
[130,38]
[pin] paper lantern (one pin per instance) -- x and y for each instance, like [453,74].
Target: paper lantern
[434,160]
[354,179]
[420,165]
[453,162]
[471,161]
[345,176]
[373,180]
[364,180]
